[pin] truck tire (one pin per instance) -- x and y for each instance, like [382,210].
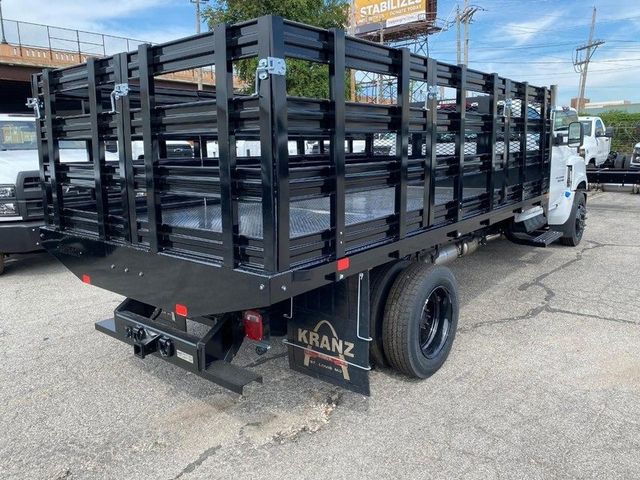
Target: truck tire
[574,228]
[382,279]
[420,320]
[618,162]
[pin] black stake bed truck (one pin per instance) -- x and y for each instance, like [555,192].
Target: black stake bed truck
[337,248]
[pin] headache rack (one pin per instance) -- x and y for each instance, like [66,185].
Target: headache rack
[270,203]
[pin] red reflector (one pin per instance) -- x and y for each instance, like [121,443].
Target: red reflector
[253,327]
[182,310]
[344,264]
[86,279]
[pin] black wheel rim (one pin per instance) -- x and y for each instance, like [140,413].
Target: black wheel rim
[435,322]
[581,217]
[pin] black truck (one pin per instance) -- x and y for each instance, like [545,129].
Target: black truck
[340,252]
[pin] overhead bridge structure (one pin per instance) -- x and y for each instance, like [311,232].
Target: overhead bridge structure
[32,47]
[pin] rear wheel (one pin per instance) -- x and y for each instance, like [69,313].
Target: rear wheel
[618,162]
[420,320]
[382,279]
[574,228]
[1,263]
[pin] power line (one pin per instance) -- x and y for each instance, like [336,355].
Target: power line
[465,17]
[583,57]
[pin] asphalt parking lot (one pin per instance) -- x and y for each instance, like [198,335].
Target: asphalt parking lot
[543,382]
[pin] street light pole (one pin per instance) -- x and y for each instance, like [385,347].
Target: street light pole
[198,30]
[4,39]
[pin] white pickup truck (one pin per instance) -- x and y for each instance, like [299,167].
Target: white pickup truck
[635,157]
[21,210]
[597,141]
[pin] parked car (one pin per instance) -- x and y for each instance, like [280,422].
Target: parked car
[597,141]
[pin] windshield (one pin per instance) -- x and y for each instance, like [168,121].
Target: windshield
[586,124]
[17,135]
[563,118]
[22,136]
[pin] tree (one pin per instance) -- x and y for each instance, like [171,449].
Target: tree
[303,78]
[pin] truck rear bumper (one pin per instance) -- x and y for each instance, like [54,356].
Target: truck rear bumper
[20,237]
[207,356]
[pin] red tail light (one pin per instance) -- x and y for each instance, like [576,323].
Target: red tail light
[182,310]
[86,279]
[343,264]
[253,326]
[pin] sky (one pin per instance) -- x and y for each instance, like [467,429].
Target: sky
[526,40]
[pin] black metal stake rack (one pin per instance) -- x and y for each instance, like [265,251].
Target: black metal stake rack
[236,228]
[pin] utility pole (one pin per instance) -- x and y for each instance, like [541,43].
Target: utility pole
[581,64]
[4,39]
[459,47]
[198,30]
[466,33]
[465,16]
[352,31]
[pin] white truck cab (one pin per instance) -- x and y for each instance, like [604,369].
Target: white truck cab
[568,175]
[597,141]
[565,210]
[635,157]
[20,193]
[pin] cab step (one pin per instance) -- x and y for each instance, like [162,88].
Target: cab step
[538,238]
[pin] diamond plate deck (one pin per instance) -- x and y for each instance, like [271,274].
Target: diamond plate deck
[305,216]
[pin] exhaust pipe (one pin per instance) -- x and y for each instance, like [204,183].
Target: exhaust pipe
[450,252]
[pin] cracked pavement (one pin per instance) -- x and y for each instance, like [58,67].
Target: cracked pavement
[543,382]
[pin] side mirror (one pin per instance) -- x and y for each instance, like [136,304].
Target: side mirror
[576,134]
[609,132]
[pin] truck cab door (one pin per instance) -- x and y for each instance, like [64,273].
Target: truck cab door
[557,181]
[604,143]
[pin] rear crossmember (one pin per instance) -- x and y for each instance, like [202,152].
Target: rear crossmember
[150,332]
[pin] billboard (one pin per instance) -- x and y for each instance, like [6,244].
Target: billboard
[376,15]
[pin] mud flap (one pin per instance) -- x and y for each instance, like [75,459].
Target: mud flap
[328,336]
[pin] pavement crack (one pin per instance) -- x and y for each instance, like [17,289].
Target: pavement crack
[264,360]
[532,313]
[199,461]
[548,297]
[537,282]
[589,315]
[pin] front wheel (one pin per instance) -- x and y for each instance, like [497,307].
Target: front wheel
[574,228]
[420,320]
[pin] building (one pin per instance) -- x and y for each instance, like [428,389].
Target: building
[596,108]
